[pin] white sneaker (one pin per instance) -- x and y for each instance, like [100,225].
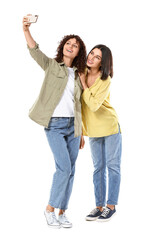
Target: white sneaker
[64,221]
[51,219]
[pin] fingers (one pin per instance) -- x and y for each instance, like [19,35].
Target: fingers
[81,146]
[25,18]
[25,22]
[80,74]
[82,143]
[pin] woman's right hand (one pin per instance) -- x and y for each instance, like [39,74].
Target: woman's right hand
[26,25]
[82,142]
[30,41]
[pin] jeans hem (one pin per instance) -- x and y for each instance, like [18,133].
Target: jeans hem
[112,203]
[100,205]
[57,206]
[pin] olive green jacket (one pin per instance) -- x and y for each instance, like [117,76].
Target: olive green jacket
[55,80]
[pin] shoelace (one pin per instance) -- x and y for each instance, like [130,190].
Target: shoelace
[65,218]
[94,211]
[52,216]
[105,212]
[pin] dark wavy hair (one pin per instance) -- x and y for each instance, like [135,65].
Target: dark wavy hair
[106,61]
[79,61]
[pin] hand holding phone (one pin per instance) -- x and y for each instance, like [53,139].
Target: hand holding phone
[32,18]
[27,20]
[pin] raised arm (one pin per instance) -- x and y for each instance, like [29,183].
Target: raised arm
[33,47]
[30,41]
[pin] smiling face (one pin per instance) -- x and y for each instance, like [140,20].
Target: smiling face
[71,48]
[94,58]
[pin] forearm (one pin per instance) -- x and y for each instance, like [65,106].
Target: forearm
[30,41]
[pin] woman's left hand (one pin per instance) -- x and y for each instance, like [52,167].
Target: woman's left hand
[82,142]
[82,77]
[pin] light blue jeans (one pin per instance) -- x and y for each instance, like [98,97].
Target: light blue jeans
[106,155]
[65,148]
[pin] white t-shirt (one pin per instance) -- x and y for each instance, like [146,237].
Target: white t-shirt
[65,107]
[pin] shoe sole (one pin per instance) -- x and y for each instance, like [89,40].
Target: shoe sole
[66,226]
[91,219]
[106,220]
[52,226]
[55,227]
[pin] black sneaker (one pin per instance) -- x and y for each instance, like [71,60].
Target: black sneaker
[106,215]
[93,215]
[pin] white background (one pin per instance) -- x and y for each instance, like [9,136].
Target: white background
[27,165]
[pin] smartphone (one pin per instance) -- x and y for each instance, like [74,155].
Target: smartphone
[32,18]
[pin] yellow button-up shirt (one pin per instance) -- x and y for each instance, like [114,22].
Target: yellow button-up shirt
[99,118]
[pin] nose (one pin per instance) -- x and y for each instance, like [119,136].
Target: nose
[92,58]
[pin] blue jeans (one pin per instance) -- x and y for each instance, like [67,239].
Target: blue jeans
[65,148]
[106,155]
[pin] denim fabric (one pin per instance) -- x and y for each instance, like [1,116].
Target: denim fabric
[65,148]
[106,155]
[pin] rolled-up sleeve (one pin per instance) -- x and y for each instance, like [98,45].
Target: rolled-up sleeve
[93,99]
[39,56]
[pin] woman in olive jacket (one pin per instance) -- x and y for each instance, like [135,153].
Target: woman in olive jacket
[58,109]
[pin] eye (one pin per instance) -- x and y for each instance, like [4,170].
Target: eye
[75,46]
[67,43]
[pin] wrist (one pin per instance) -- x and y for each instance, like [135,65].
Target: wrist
[85,86]
[25,30]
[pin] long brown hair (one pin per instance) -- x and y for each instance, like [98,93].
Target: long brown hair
[106,61]
[79,61]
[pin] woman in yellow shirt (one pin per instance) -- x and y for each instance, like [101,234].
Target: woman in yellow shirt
[100,124]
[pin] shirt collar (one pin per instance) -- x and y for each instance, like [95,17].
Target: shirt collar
[74,68]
